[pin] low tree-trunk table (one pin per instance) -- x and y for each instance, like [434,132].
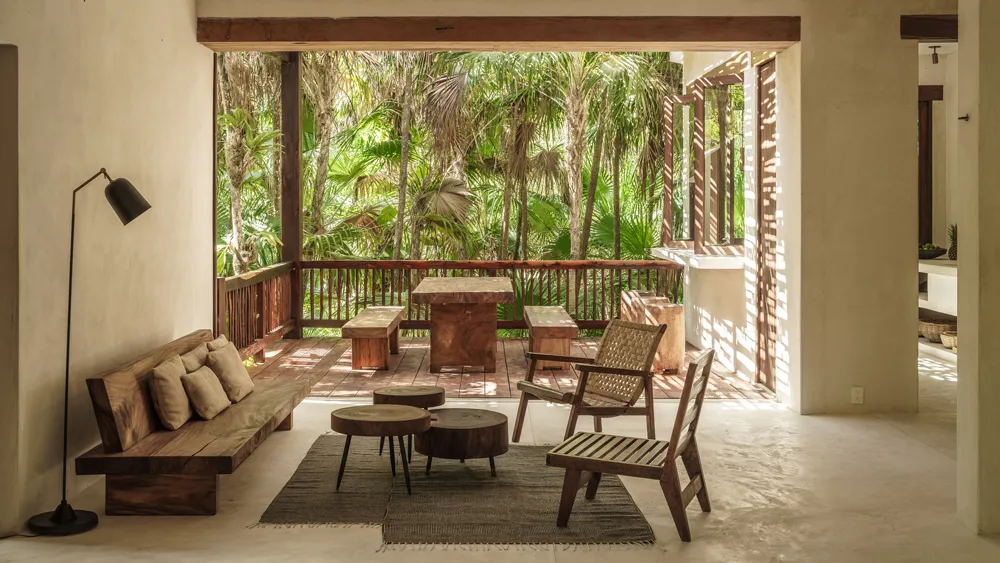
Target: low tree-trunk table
[464,319]
[382,421]
[420,396]
[464,434]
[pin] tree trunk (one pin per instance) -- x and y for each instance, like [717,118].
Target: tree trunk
[595,174]
[575,131]
[523,231]
[234,148]
[404,167]
[616,158]
[276,172]
[324,134]
[505,218]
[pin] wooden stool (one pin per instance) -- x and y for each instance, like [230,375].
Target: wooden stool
[382,421]
[374,334]
[420,396]
[464,434]
[646,308]
[550,330]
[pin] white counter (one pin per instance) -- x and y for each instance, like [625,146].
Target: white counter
[688,258]
[942,286]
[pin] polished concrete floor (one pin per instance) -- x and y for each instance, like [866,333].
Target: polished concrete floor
[784,488]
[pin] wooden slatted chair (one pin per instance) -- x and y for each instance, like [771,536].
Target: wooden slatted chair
[610,383]
[586,456]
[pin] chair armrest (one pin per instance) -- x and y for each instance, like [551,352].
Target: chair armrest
[605,369]
[557,358]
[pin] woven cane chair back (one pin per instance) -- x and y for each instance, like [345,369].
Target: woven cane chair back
[628,346]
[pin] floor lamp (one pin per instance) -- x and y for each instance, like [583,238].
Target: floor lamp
[128,204]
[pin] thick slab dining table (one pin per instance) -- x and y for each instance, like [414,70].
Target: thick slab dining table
[464,319]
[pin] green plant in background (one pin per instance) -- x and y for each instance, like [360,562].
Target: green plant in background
[953,242]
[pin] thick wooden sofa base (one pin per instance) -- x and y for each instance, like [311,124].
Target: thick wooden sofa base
[374,334]
[177,473]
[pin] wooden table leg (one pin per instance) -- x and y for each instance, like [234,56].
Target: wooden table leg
[409,447]
[394,341]
[464,334]
[406,465]
[343,461]
[428,470]
[493,467]
[381,445]
[392,457]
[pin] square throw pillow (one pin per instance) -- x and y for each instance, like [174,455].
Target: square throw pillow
[218,343]
[169,398]
[208,398]
[195,358]
[226,364]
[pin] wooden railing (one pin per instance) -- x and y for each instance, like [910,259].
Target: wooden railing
[255,309]
[334,291]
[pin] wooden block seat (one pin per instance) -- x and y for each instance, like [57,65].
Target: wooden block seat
[374,334]
[642,306]
[420,396]
[464,434]
[550,331]
[154,471]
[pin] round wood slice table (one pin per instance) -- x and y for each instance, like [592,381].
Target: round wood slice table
[382,421]
[420,396]
[464,434]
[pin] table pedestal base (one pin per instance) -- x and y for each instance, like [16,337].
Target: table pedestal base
[464,334]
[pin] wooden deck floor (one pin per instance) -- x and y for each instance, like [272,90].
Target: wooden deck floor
[327,363]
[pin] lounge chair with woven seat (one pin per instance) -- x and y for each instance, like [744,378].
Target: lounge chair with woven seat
[610,383]
[586,456]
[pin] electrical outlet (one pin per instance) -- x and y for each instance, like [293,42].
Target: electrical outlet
[857,395]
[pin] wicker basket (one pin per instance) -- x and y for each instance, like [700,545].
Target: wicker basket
[949,339]
[932,329]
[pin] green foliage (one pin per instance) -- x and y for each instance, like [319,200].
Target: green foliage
[485,129]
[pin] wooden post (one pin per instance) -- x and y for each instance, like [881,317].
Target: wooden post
[291,180]
[220,306]
[667,228]
[698,212]
[722,105]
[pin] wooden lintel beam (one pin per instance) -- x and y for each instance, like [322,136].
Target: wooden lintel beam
[940,27]
[930,92]
[488,32]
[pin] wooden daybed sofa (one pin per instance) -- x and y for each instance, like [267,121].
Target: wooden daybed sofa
[151,470]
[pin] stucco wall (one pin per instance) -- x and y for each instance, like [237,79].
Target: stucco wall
[979,282]
[123,85]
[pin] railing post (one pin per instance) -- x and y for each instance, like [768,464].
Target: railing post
[220,307]
[263,312]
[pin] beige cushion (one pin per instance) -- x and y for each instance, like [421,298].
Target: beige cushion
[218,343]
[206,393]
[226,364]
[169,398]
[195,358]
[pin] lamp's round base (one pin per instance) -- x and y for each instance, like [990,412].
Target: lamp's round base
[63,521]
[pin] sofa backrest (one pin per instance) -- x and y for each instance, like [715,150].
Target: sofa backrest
[121,399]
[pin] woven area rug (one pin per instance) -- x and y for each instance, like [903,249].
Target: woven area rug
[458,504]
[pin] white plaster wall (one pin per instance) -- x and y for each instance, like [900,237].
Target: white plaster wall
[979,282]
[124,85]
[715,312]
[859,172]
[789,219]
[697,63]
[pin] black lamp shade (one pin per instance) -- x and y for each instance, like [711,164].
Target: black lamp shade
[127,202]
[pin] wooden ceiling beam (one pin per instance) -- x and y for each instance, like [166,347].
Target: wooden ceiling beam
[492,33]
[942,28]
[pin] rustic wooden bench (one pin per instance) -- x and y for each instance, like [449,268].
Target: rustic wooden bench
[550,331]
[374,334]
[154,471]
